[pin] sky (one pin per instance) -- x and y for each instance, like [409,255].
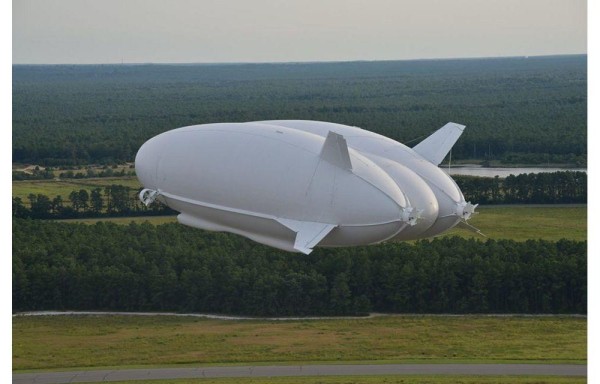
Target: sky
[207,31]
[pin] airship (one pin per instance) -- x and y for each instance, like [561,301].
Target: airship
[297,184]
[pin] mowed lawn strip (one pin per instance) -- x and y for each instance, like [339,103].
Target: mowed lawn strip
[522,223]
[64,187]
[51,342]
[389,379]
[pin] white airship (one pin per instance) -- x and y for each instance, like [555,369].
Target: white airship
[297,184]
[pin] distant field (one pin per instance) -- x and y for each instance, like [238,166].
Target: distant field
[528,222]
[64,187]
[400,379]
[510,222]
[121,341]
[29,168]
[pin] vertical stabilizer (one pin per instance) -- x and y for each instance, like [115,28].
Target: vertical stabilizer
[335,151]
[435,147]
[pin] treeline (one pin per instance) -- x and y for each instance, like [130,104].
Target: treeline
[532,188]
[112,200]
[119,200]
[516,109]
[48,174]
[36,174]
[141,267]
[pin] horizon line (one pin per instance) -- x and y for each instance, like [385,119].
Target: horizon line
[307,61]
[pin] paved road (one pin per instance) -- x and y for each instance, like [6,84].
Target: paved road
[224,317]
[304,370]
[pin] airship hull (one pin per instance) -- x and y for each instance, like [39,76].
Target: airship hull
[294,185]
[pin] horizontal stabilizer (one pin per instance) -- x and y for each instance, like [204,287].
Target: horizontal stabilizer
[335,151]
[435,147]
[308,234]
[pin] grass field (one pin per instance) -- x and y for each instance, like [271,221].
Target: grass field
[120,341]
[510,222]
[64,187]
[528,222]
[28,168]
[403,379]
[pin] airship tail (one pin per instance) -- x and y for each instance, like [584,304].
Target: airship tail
[435,147]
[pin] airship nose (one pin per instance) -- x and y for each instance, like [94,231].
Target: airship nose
[146,162]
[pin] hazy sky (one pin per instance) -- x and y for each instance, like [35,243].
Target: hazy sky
[174,31]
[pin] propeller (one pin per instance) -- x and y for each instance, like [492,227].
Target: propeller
[411,215]
[147,196]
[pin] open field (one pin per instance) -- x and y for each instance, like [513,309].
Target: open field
[82,170]
[42,343]
[64,187]
[337,379]
[401,379]
[510,222]
[521,223]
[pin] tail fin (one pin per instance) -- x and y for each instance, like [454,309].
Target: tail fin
[435,147]
[335,151]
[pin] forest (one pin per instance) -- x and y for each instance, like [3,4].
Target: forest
[517,110]
[169,267]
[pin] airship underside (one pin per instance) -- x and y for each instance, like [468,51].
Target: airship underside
[296,184]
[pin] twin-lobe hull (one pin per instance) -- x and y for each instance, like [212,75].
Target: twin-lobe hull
[294,185]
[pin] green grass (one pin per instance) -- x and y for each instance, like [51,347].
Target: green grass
[64,187]
[121,341]
[28,168]
[389,379]
[528,222]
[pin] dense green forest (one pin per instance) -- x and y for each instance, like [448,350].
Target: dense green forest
[170,267]
[518,110]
